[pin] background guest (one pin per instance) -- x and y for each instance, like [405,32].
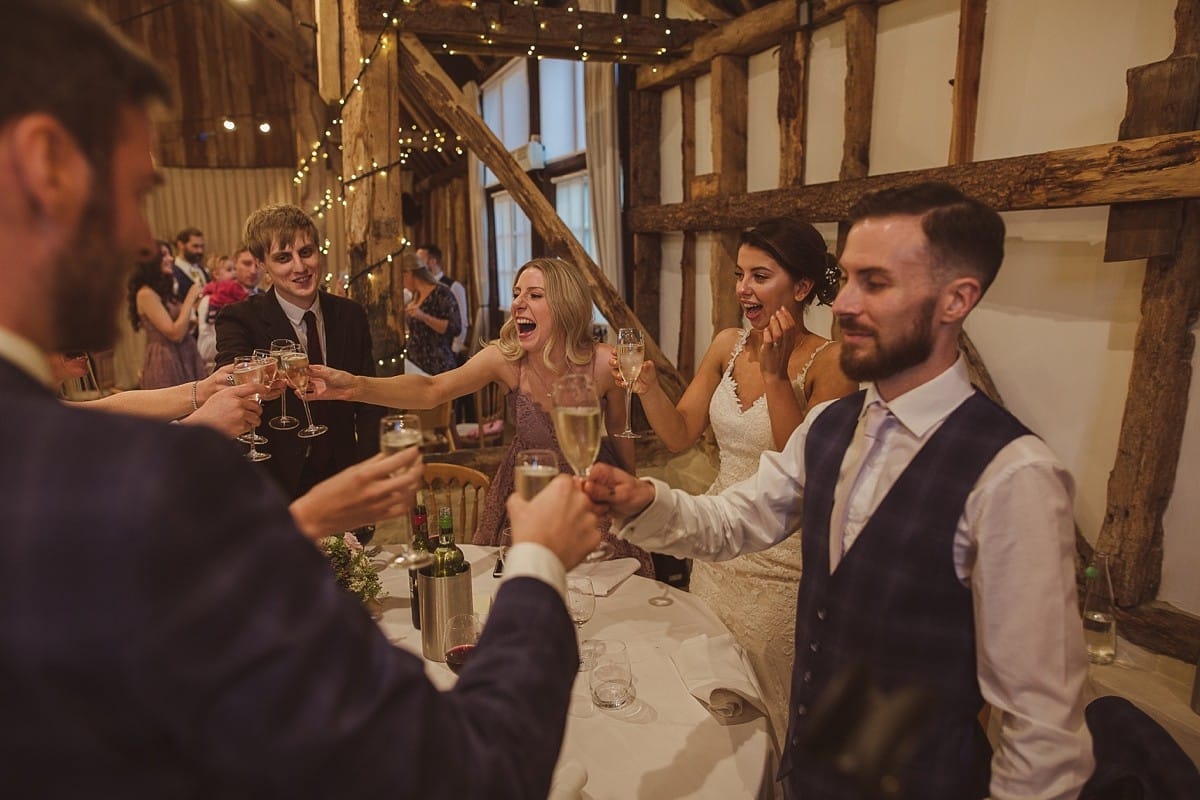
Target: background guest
[171,354]
[433,321]
[218,293]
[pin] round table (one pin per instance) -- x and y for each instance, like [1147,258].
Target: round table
[663,745]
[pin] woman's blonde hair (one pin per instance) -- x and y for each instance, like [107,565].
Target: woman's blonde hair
[570,300]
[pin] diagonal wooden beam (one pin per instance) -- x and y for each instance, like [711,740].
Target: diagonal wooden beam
[448,102]
[272,23]
[491,27]
[1150,168]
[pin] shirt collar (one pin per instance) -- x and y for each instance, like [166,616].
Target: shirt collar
[26,356]
[922,408]
[295,313]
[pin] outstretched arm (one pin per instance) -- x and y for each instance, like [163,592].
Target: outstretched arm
[410,391]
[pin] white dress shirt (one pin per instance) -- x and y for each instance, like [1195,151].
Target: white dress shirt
[1013,547]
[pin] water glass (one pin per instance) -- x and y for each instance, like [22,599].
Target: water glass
[398,432]
[611,679]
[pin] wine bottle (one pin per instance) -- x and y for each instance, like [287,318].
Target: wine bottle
[448,560]
[420,541]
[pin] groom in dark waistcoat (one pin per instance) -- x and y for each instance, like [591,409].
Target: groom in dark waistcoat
[938,532]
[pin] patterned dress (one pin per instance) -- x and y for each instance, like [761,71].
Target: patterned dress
[428,349]
[535,430]
[754,594]
[170,363]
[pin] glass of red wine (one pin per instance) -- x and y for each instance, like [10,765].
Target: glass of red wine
[462,634]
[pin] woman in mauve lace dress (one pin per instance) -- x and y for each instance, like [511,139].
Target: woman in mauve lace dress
[548,335]
[754,386]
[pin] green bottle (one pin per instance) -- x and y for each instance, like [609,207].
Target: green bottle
[420,541]
[448,560]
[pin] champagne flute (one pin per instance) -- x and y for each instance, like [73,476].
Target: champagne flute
[295,366]
[631,352]
[283,422]
[399,432]
[247,370]
[577,426]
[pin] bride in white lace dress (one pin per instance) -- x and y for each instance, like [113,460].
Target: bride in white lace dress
[754,386]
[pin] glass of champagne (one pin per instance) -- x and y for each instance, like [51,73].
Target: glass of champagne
[577,426]
[295,366]
[631,352]
[534,470]
[399,432]
[248,370]
[283,422]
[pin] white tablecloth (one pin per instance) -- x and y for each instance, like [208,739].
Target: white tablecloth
[665,744]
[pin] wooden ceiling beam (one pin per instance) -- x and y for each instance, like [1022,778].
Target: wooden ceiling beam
[448,100]
[1135,170]
[272,23]
[495,28]
[748,34]
[708,9]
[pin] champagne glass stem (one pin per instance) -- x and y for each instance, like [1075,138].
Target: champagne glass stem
[283,403]
[307,413]
[628,412]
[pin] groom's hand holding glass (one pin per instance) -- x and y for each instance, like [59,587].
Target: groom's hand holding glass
[560,518]
[625,495]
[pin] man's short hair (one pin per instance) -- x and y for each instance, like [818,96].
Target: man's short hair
[964,234]
[433,250]
[276,224]
[63,58]
[185,235]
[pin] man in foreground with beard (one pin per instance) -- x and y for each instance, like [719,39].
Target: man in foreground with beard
[938,532]
[165,629]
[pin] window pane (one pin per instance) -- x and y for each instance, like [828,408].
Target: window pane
[580,109]
[557,99]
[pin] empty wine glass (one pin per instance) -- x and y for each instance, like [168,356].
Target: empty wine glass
[247,369]
[581,605]
[577,426]
[462,634]
[631,352]
[283,422]
[295,367]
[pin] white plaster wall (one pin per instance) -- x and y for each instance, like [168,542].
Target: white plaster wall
[915,54]
[1057,329]
[825,125]
[671,146]
[670,292]
[762,129]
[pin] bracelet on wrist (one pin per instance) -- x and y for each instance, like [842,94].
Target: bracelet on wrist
[195,405]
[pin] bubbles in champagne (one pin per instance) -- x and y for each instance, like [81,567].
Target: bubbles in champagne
[630,358]
[578,430]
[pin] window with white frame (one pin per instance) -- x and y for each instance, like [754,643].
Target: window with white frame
[506,107]
[574,207]
[513,243]
[561,97]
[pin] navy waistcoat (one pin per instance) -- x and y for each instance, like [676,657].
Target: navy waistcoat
[895,604]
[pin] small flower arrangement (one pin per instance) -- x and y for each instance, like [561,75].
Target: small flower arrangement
[352,567]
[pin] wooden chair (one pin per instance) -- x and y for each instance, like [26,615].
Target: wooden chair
[437,425]
[462,489]
[491,419]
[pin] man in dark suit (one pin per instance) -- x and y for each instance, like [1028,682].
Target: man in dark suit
[332,329]
[165,630]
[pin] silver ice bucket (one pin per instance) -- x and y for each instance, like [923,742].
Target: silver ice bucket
[442,599]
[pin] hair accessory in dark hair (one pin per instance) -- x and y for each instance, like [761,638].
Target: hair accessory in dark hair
[832,284]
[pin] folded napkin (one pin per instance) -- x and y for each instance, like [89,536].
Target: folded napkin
[606,575]
[568,781]
[715,671]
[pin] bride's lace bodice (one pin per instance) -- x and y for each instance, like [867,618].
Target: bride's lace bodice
[743,436]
